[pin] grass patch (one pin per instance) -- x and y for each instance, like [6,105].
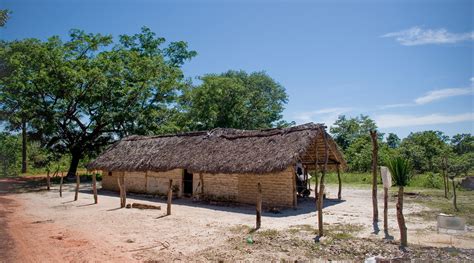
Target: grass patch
[342,231]
[435,200]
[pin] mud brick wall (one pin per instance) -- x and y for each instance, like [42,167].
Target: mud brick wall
[158,182]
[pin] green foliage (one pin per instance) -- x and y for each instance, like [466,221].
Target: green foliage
[4,14]
[400,168]
[427,180]
[9,154]
[393,141]
[423,149]
[96,91]
[345,131]
[235,99]
[463,143]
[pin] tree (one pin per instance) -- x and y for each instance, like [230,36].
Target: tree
[345,131]
[400,168]
[9,145]
[458,165]
[235,99]
[393,141]
[94,92]
[423,149]
[4,14]
[21,62]
[463,143]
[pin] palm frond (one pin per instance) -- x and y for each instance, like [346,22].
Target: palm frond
[400,168]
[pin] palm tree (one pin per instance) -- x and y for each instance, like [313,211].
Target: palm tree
[400,169]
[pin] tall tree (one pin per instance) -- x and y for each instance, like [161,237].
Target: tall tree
[393,141]
[235,99]
[462,143]
[94,92]
[347,130]
[423,148]
[4,14]
[22,61]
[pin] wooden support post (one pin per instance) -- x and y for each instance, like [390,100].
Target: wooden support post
[94,186]
[170,196]
[48,181]
[259,206]
[321,187]
[385,209]
[78,181]
[373,135]
[340,183]
[61,185]
[123,194]
[295,197]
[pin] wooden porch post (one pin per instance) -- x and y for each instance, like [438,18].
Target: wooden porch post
[259,206]
[170,196]
[121,185]
[340,183]
[295,199]
[48,181]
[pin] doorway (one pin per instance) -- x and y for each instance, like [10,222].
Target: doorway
[187,183]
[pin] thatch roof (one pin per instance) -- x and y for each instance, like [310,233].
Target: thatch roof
[222,151]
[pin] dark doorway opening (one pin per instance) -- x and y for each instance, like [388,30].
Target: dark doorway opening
[187,183]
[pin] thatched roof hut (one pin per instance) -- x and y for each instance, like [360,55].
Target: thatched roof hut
[223,151]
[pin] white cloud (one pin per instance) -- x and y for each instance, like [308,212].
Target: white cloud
[419,36]
[441,94]
[401,120]
[326,116]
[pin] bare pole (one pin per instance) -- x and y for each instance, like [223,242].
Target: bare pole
[61,185]
[170,196]
[78,181]
[321,187]
[94,187]
[373,135]
[340,183]
[316,170]
[48,181]
[259,206]
[121,185]
[385,209]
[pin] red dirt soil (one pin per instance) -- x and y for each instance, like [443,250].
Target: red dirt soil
[22,239]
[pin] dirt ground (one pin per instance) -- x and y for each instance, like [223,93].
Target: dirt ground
[42,227]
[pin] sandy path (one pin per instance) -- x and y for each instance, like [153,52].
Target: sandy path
[84,232]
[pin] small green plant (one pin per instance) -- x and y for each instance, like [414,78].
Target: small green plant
[400,168]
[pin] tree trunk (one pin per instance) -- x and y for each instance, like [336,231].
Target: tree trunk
[445,177]
[454,196]
[340,183]
[78,182]
[75,158]
[170,197]
[316,181]
[259,206]
[385,209]
[373,135]
[401,219]
[24,167]
[94,187]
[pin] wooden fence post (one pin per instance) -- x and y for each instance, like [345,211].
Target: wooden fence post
[48,181]
[61,185]
[385,209]
[78,181]
[259,206]
[121,185]
[170,196]
[322,186]
[94,186]
[340,183]
[373,135]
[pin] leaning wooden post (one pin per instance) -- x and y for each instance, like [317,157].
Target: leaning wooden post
[94,186]
[78,181]
[373,135]
[61,185]
[121,185]
[48,181]
[321,187]
[340,183]
[259,206]
[170,196]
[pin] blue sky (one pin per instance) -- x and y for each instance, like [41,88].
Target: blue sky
[407,64]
